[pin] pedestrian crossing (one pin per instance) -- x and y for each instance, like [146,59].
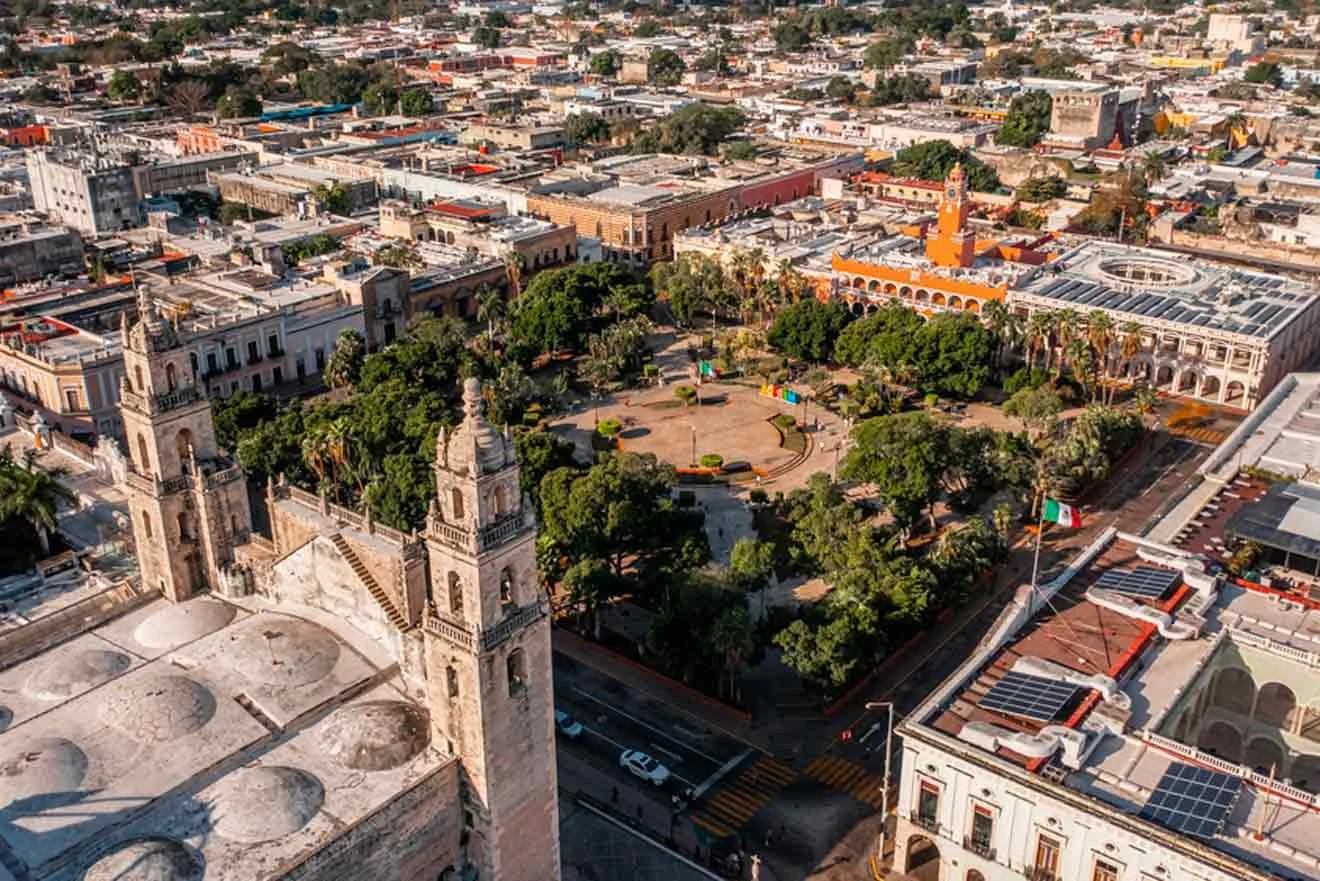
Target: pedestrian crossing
[1201,435]
[731,807]
[845,776]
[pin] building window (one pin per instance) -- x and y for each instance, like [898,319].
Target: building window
[144,461]
[273,344]
[71,399]
[1104,871]
[506,587]
[456,503]
[517,672]
[455,595]
[231,359]
[928,804]
[212,365]
[1047,858]
[256,382]
[253,355]
[983,829]
[320,360]
[138,385]
[277,375]
[451,680]
[146,524]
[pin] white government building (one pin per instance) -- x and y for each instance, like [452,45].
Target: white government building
[1144,716]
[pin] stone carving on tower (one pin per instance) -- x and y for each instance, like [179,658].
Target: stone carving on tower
[188,504]
[487,636]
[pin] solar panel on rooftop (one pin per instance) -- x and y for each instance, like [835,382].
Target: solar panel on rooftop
[1144,581]
[1033,697]
[1192,800]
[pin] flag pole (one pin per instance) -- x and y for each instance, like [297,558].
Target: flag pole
[1040,529]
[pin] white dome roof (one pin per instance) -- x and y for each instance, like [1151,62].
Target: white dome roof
[264,803]
[75,673]
[376,735]
[158,709]
[41,766]
[275,650]
[175,625]
[150,859]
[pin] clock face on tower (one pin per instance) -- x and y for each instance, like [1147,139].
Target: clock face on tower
[951,193]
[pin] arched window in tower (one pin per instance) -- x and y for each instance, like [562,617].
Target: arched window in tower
[451,680]
[506,587]
[183,445]
[144,458]
[517,672]
[171,379]
[501,501]
[455,595]
[146,524]
[185,527]
[138,385]
[456,503]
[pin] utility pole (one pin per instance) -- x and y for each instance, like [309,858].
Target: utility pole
[884,793]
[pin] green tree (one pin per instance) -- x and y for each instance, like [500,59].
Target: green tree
[334,197]
[379,98]
[887,53]
[539,453]
[345,363]
[1027,121]
[487,37]
[807,330]
[841,88]
[123,86]
[586,128]
[667,67]
[933,160]
[647,28]
[1264,72]
[32,495]
[790,36]
[694,129]
[1038,408]
[237,103]
[606,63]
[417,102]
[903,456]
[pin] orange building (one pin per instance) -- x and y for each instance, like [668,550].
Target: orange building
[953,272]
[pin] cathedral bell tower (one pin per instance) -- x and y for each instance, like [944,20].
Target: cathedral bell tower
[189,506]
[488,659]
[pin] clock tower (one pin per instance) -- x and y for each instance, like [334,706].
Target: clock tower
[953,245]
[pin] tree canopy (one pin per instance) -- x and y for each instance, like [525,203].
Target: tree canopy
[807,329]
[933,160]
[1027,121]
[951,354]
[694,129]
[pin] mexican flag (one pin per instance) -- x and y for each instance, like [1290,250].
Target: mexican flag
[1064,515]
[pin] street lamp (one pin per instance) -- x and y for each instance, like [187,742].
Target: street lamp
[884,793]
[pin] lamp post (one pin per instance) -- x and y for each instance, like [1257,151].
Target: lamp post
[884,793]
[693,426]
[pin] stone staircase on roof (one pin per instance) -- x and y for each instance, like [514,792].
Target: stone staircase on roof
[396,617]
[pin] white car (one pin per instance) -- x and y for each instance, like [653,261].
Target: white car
[567,725]
[644,766]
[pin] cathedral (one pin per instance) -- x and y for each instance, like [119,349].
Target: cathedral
[323,699]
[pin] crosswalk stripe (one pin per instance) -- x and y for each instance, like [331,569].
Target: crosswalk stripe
[734,804]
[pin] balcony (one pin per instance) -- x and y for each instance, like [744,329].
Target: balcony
[180,397]
[451,632]
[512,623]
[930,824]
[1039,873]
[980,848]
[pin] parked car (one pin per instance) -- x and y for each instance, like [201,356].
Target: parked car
[567,725]
[644,766]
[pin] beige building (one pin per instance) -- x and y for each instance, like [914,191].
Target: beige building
[337,700]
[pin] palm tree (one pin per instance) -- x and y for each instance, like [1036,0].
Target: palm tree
[1146,400]
[1039,327]
[515,264]
[491,308]
[1068,328]
[731,638]
[1130,346]
[33,494]
[1153,166]
[1100,336]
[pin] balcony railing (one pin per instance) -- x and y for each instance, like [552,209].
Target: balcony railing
[980,848]
[515,621]
[487,537]
[180,397]
[930,824]
[451,631]
[220,478]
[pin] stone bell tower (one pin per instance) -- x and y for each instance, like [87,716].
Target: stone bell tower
[189,506]
[488,652]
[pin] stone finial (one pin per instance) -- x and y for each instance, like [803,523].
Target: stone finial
[473,403]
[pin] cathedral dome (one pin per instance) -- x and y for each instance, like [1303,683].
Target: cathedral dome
[149,859]
[75,673]
[175,625]
[376,735]
[275,650]
[43,766]
[259,804]
[158,709]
